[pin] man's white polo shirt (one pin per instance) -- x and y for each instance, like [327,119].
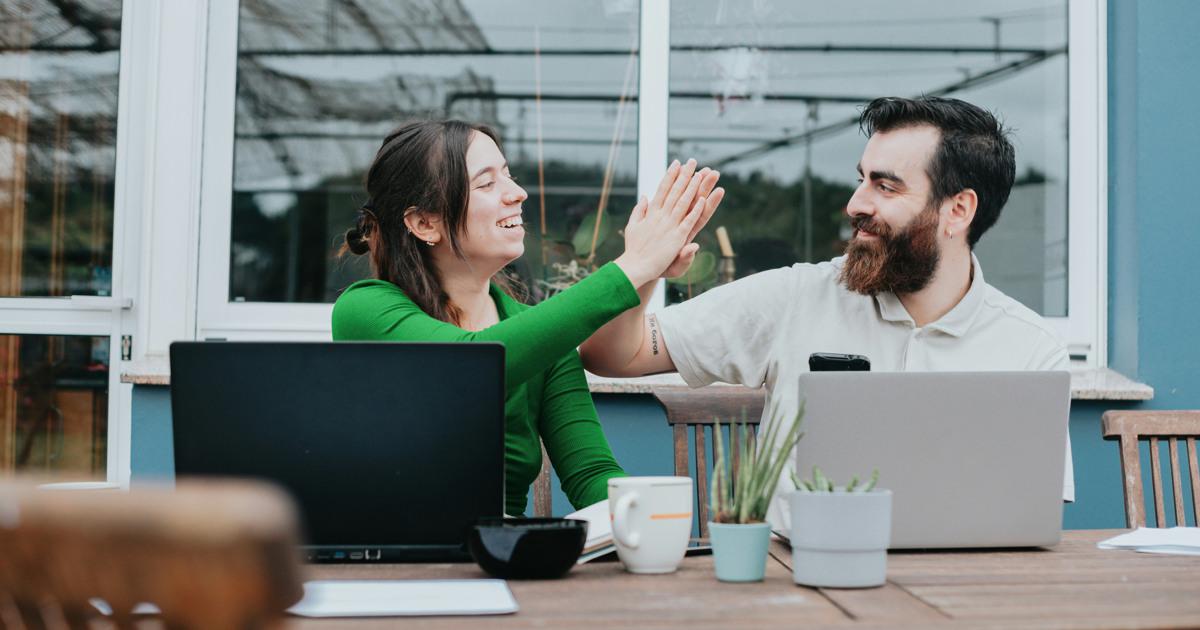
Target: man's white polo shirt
[761,329]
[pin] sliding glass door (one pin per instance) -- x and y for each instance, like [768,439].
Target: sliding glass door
[59,321]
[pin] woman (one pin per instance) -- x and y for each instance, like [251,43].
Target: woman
[443,218]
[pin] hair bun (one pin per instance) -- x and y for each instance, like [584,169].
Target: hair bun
[356,242]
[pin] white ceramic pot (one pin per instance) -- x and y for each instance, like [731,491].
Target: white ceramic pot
[840,539]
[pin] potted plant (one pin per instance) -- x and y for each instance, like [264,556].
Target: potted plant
[840,535]
[739,530]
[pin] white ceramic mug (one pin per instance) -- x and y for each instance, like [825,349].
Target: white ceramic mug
[652,521]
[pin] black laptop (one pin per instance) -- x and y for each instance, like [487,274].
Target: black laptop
[390,449]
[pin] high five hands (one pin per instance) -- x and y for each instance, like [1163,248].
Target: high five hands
[658,237]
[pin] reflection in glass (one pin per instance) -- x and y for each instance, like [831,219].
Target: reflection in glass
[58,109]
[320,85]
[54,401]
[768,93]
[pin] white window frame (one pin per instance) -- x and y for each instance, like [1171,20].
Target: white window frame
[1084,327]
[111,316]
[92,317]
[217,317]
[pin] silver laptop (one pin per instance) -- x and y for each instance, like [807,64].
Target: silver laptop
[974,459]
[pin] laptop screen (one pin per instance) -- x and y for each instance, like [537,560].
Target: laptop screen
[973,459]
[388,448]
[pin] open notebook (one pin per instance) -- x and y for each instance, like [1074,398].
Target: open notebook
[599,537]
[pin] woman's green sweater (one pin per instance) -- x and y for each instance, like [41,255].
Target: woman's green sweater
[547,393]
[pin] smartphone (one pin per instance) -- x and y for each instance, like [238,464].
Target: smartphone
[834,362]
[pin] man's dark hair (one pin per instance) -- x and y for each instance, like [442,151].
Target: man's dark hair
[974,151]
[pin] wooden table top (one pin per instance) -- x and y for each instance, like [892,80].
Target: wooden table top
[1072,585]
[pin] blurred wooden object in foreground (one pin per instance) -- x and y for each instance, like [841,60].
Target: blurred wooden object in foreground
[210,555]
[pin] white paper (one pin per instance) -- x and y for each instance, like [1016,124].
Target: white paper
[599,522]
[387,598]
[599,537]
[602,551]
[1173,540]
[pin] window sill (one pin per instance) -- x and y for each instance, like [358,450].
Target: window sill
[153,369]
[1087,383]
[1092,383]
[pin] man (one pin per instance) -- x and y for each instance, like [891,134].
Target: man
[908,293]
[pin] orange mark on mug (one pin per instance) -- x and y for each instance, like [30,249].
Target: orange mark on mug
[656,517]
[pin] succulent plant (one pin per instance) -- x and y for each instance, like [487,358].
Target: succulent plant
[821,483]
[746,500]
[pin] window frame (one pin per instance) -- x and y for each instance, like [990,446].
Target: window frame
[1084,328]
[1086,324]
[216,316]
[113,316]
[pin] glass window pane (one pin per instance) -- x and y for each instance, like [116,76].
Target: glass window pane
[58,111]
[54,397]
[768,92]
[320,84]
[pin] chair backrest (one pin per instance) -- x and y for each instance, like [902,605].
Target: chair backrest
[701,409]
[219,555]
[542,504]
[1130,427]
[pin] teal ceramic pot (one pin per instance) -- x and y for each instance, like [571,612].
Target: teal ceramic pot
[740,550]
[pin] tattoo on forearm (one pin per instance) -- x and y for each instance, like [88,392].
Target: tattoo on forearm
[653,335]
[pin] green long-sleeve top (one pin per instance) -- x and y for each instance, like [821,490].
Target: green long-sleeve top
[546,391]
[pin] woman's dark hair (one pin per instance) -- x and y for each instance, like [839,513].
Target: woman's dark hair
[974,151]
[422,166]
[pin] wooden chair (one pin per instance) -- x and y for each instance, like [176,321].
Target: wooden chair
[212,555]
[542,503]
[1130,427]
[701,409]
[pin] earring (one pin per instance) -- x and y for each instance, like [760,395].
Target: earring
[951,234]
[429,243]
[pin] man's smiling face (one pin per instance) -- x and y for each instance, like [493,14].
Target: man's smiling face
[895,244]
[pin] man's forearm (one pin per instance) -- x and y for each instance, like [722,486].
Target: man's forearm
[629,345]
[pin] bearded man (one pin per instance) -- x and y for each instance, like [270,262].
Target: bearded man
[908,293]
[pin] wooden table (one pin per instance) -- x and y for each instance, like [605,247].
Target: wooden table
[1073,585]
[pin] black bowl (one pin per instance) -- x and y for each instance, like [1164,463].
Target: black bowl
[526,548]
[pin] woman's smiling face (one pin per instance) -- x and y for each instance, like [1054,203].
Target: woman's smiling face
[492,233]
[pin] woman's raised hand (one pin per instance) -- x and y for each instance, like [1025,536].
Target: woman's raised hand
[706,203]
[658,237]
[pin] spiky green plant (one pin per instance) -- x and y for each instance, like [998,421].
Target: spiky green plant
[758,471]
[821,483]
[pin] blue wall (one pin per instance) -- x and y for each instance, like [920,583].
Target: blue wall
[1154,86]
[1154,262]
[1154,259]
[152,453]
[1166,144]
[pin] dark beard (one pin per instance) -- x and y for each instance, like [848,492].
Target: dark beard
[900,261]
